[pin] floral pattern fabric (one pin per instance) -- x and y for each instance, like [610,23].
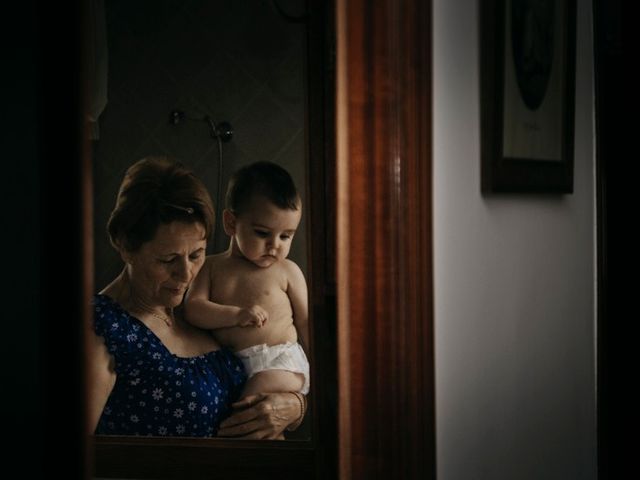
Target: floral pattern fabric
[156,392]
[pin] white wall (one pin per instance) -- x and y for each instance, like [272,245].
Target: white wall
[514,287]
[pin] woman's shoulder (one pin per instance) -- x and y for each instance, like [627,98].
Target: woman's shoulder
[108,314]
[101,301]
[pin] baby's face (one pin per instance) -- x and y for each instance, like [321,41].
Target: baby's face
[264,232]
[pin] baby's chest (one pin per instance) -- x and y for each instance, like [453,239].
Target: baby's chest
[260,288]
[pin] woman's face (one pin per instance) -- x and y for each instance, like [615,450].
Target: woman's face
[163,268]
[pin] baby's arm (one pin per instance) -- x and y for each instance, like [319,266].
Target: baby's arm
[203,313]
[297,292]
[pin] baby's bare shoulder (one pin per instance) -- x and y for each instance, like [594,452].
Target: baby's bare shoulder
[220,260]
[291,272]
[290,267]
[220,263]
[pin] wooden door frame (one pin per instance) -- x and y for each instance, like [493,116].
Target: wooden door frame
[385,295]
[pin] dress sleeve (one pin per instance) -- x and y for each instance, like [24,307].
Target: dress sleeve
[232,369]
[113,324]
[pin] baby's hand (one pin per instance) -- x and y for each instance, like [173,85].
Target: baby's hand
[254,316]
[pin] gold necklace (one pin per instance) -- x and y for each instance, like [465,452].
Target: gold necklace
[140,307]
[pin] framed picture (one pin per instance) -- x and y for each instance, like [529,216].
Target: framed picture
[527,72]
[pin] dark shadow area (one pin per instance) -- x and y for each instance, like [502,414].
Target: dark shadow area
[615,197]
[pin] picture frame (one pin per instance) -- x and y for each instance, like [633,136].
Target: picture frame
[527,95]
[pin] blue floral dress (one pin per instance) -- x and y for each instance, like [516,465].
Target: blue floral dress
[156,392]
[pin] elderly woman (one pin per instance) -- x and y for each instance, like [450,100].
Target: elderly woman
[151,372]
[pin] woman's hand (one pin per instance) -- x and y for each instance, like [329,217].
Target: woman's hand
[262,416]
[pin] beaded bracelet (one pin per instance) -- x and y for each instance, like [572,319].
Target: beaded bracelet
[303,409]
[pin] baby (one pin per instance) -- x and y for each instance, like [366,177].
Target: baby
[251,296]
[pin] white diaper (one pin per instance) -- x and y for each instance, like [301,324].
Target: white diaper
[284,356]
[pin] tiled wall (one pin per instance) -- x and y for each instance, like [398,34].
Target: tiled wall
[235,60]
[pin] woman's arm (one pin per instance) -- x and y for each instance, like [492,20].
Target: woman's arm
[264,416]
[203,313]
[298,295]
[101,378]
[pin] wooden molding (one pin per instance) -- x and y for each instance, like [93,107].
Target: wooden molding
[385,312]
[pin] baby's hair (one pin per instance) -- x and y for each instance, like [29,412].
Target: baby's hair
[265,179]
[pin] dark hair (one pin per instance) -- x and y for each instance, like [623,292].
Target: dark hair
[261,178]
[156,191]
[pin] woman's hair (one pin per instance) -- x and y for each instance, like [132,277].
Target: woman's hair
[265,179]
[157,191]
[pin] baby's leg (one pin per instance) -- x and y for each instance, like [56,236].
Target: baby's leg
[273,381]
